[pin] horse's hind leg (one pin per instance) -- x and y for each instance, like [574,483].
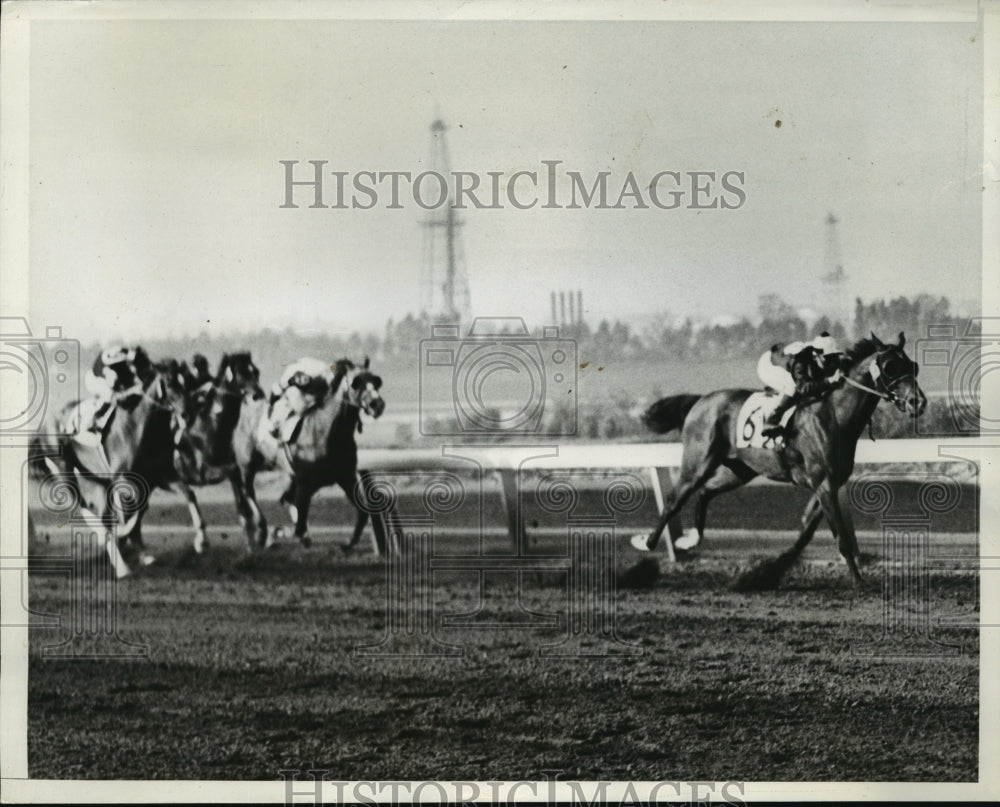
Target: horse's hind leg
[693,476]
[723,480]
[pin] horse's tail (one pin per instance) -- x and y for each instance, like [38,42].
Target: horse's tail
[668,414]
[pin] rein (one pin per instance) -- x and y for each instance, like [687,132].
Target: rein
[885,396]
[145,394]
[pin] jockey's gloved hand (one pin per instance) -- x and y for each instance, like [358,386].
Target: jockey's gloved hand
[836,379]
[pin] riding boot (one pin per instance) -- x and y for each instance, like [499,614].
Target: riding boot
[772,425]
[98,420]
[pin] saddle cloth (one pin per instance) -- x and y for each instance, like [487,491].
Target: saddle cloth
[750,422]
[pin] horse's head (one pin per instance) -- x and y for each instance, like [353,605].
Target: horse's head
[168,383]
[238,373]
[895,374]
[363,390]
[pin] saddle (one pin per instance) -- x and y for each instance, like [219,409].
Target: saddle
[750,421]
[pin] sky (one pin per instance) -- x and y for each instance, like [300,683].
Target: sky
[156,181]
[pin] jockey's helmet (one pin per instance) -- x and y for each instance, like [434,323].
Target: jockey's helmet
[826,344]
[114,355]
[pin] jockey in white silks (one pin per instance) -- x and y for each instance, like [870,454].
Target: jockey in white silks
[303,385]
[111,376]
[797,371]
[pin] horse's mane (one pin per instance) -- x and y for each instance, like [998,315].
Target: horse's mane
[861,349]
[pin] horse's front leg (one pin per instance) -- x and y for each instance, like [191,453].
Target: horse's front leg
[255,522]
[200,538]
[847,540]
[127,505]
[242,507]
[351,487]
[302,499]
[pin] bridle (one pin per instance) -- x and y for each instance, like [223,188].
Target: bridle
[883,390]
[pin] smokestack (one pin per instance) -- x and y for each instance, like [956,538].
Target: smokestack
[572,309]
[579,305]
[553,298]
[562,308]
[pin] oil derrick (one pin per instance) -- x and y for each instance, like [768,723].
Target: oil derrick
[834,279]
[443,282]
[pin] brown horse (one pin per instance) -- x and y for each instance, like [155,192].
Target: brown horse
[817,453]
[324,453]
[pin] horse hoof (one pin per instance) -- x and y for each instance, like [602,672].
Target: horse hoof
[145,559]
[640,542]
[306,541]
[688,541]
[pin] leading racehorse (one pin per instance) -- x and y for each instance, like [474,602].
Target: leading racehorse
[817,452]
[324,453]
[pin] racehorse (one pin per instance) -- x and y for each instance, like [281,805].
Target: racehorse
[817,452]
[204,438]
[324,453]
[205,418]
[114,475]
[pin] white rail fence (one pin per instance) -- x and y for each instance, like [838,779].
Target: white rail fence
[656,460]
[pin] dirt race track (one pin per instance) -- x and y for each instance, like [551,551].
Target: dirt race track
[252,665]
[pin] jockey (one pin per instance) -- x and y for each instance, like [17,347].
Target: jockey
[798,371]
[112,376]
[303,385]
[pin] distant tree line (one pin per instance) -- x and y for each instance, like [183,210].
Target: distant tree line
[610,340]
